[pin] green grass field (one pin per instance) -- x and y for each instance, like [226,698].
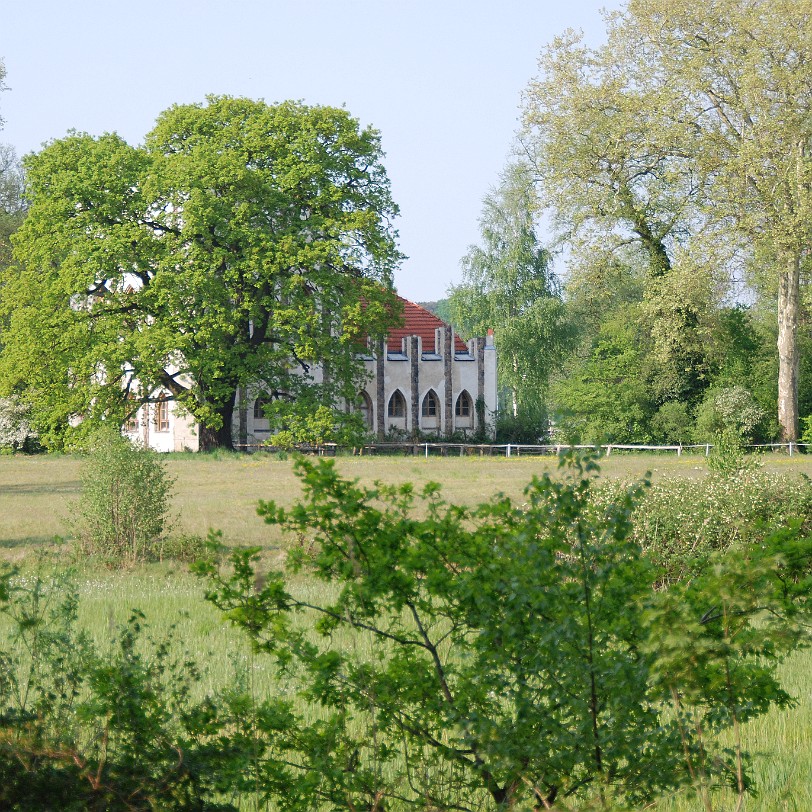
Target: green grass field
[36,492]
[222,492]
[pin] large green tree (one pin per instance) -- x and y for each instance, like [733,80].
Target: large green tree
[613,167]
[688,133]
[15,430]
[508,286]
[243,243]
[741,74]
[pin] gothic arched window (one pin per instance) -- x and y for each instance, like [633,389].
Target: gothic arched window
[397,405]
[431,404]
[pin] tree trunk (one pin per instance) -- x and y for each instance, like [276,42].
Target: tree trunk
[222,437]
[788,306]
[515,403]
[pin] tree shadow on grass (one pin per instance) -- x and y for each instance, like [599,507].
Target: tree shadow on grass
[46,488]
[34,543]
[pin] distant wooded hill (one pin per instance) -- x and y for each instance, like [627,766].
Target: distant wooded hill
[439,308]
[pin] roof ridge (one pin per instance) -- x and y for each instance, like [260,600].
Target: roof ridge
[419,320]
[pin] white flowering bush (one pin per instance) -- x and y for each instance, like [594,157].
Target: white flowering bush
[682,522]
[732,411]
[15,429]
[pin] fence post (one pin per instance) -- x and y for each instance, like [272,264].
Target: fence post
[608,450]
[679,450]
[790,448]
[427,450]
[707,449]
[508,449]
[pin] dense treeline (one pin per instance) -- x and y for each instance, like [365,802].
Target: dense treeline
[672,166]
[12,204]
[597,358]
[242,244]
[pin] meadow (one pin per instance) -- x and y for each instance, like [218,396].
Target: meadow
[221,492]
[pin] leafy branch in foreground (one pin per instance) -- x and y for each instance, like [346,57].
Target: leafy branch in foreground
[508,656]
[82,729]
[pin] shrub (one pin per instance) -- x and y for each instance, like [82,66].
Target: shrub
[729,456]
[16,432]
[114,730]
[185,547]
[531,425]
[504,656]
[123,509]
[307,422]
[672,423]
[681,523]
[501,657]
[806,433]
[732,410]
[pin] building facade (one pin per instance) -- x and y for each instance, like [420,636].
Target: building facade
[422,381]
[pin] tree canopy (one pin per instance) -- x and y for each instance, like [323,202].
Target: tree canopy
[243,243]
[12,207]
[508,286]
[688,136]
[12,204]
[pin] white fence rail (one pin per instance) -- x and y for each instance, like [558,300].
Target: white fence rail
[517,449]
[521,449]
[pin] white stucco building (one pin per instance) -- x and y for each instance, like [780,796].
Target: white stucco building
[422,380]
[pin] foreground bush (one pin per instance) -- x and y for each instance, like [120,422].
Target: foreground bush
[113,730]
[506,656]
[502,657]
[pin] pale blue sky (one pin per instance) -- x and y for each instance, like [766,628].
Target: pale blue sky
[441,80]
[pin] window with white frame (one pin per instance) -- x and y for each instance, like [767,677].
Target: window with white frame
[162,414]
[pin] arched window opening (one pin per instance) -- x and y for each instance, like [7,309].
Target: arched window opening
[431,404]
[397,405]
[260,404]
[364,406]
[464,407]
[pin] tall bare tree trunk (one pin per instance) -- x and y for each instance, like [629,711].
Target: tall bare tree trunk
[788,306]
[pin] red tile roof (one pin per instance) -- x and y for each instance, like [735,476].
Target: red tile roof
[417,321]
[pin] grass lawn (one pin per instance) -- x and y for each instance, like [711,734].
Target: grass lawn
[222,492]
